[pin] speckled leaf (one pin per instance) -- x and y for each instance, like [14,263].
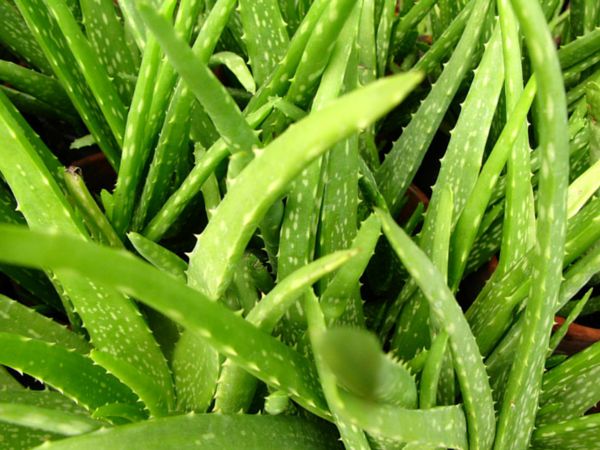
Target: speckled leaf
[49,420]
[469,366]
[267,176]
[194,181]
[107,38]
[236,386]
[265,35]
[260,354]
[95,74]
[19,319]
[114,323]
[211,432]
[576,434]
[400,165]
[443,426]
[66,371]
[159,256]
[517,413]
[42,87]
[237,66]
[195,376]
[15,35]
[567,389]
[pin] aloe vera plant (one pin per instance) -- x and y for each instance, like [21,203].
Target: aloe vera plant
[208,237]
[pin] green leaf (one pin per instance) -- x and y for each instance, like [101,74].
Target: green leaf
[210,431]
[262,355]
[265,179]
[469,366]
[50,420]
[64,370]
[18,319]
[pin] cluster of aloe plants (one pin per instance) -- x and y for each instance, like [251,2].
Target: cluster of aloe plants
[257,277]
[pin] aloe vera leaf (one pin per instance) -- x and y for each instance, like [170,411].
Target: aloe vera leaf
[459,169]
[50,420]
[520,399]
[173,135]
[15,35]
[335,296]
[40,86]
[575,94]
[236,387]
[305,199]
[470,369]
[104,32]
[518,213]
[384,35]
[442,426]
[237,66]
[355,358]
[575,279]
[33,281]
[568,435]
[95,220]
[265,36]
[196,377]
[559,334]
[319,48]
[159,256]
[134,23]
[211,431]
[400,165]
[569,389]
[193,183]
[46,399]
[105,93]
[352,436]
[583,188]
[444,44]
[18,319]
[119,413]
[409,21]
[114,324]
[54,44]
[17,437]
[580,49]
[267,176]
[8,382]
[136,145]
[263,356]
[154,399]
[63,370]
[278,82]
[368,186]
[339,208]
[470,219]
[431,372]
[214,98]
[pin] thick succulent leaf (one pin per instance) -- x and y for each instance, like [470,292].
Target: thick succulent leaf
[354,356]
[265,35]
[209,431]
[236,386]
[265,179]
[469,366]
[576,434]
[195,377]
[517,413]
[260,354]
[19,319]
[114,323]
[49,420]
[67,371]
